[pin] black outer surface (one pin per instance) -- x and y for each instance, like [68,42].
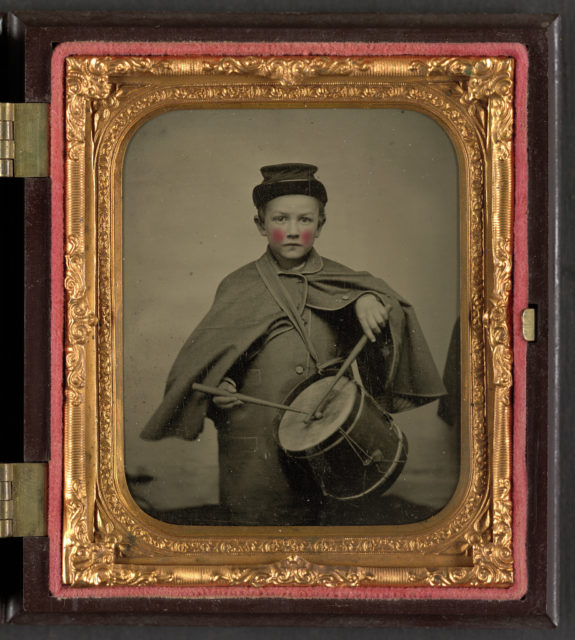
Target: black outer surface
[36,34]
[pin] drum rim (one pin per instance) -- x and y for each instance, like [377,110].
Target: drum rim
[387,480]
[336,437]
[391,474]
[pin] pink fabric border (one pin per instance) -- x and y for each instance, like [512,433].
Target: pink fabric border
[520,300]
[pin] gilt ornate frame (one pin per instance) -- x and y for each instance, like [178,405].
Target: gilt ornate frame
[107,541]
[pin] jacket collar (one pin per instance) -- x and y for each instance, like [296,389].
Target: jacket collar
[313,264]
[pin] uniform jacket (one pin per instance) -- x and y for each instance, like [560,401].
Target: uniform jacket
[399,374]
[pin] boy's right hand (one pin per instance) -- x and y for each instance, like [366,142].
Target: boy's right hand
[227,402]
[372,315]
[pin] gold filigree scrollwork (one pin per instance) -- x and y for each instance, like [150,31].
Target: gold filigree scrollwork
[491,551]
[92,91]
[417,95]
[489,544]
[491,82]
[493,561]
[288,71]
[498,321]
[472,99]
[479,82]
[95,562]
[81,321]
[89,563]
[293,571]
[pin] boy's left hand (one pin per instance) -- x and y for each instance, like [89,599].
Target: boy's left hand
[372,315]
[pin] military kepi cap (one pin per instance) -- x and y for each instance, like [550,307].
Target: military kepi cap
[288,179]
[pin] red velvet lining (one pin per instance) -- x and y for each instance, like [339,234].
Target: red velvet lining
[520,300]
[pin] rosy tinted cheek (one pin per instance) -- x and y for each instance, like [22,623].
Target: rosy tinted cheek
[277,236]
[307,237]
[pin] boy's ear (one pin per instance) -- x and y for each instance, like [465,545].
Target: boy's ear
[260,226]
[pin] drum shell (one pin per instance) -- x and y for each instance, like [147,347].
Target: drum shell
[366,455]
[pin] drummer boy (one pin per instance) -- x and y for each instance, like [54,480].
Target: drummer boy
[275,322]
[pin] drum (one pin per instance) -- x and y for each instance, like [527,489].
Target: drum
[353,448]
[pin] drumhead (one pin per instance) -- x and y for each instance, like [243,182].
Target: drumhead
[295,435]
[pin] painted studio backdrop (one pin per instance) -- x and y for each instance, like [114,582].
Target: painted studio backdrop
[392,182]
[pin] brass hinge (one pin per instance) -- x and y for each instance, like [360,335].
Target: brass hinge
[22,499]
[23,140]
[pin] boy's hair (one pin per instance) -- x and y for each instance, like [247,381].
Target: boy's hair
[262,212]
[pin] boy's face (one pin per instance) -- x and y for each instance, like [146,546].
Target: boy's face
[291,225]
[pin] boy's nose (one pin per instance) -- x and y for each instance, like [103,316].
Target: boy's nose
[292,230]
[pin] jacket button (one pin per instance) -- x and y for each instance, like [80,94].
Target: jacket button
[299,369]
[346,297]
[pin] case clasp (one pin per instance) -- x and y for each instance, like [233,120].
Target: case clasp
[528,324]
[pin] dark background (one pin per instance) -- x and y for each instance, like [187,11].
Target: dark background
[565,8]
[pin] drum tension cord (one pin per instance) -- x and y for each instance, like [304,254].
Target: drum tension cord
[316,414]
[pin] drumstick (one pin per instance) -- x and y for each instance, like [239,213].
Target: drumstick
[344,367]
[215,391]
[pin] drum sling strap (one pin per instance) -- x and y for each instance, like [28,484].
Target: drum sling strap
[273,282]
[279,293]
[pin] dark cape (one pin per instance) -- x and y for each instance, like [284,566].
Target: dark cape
[243,312]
